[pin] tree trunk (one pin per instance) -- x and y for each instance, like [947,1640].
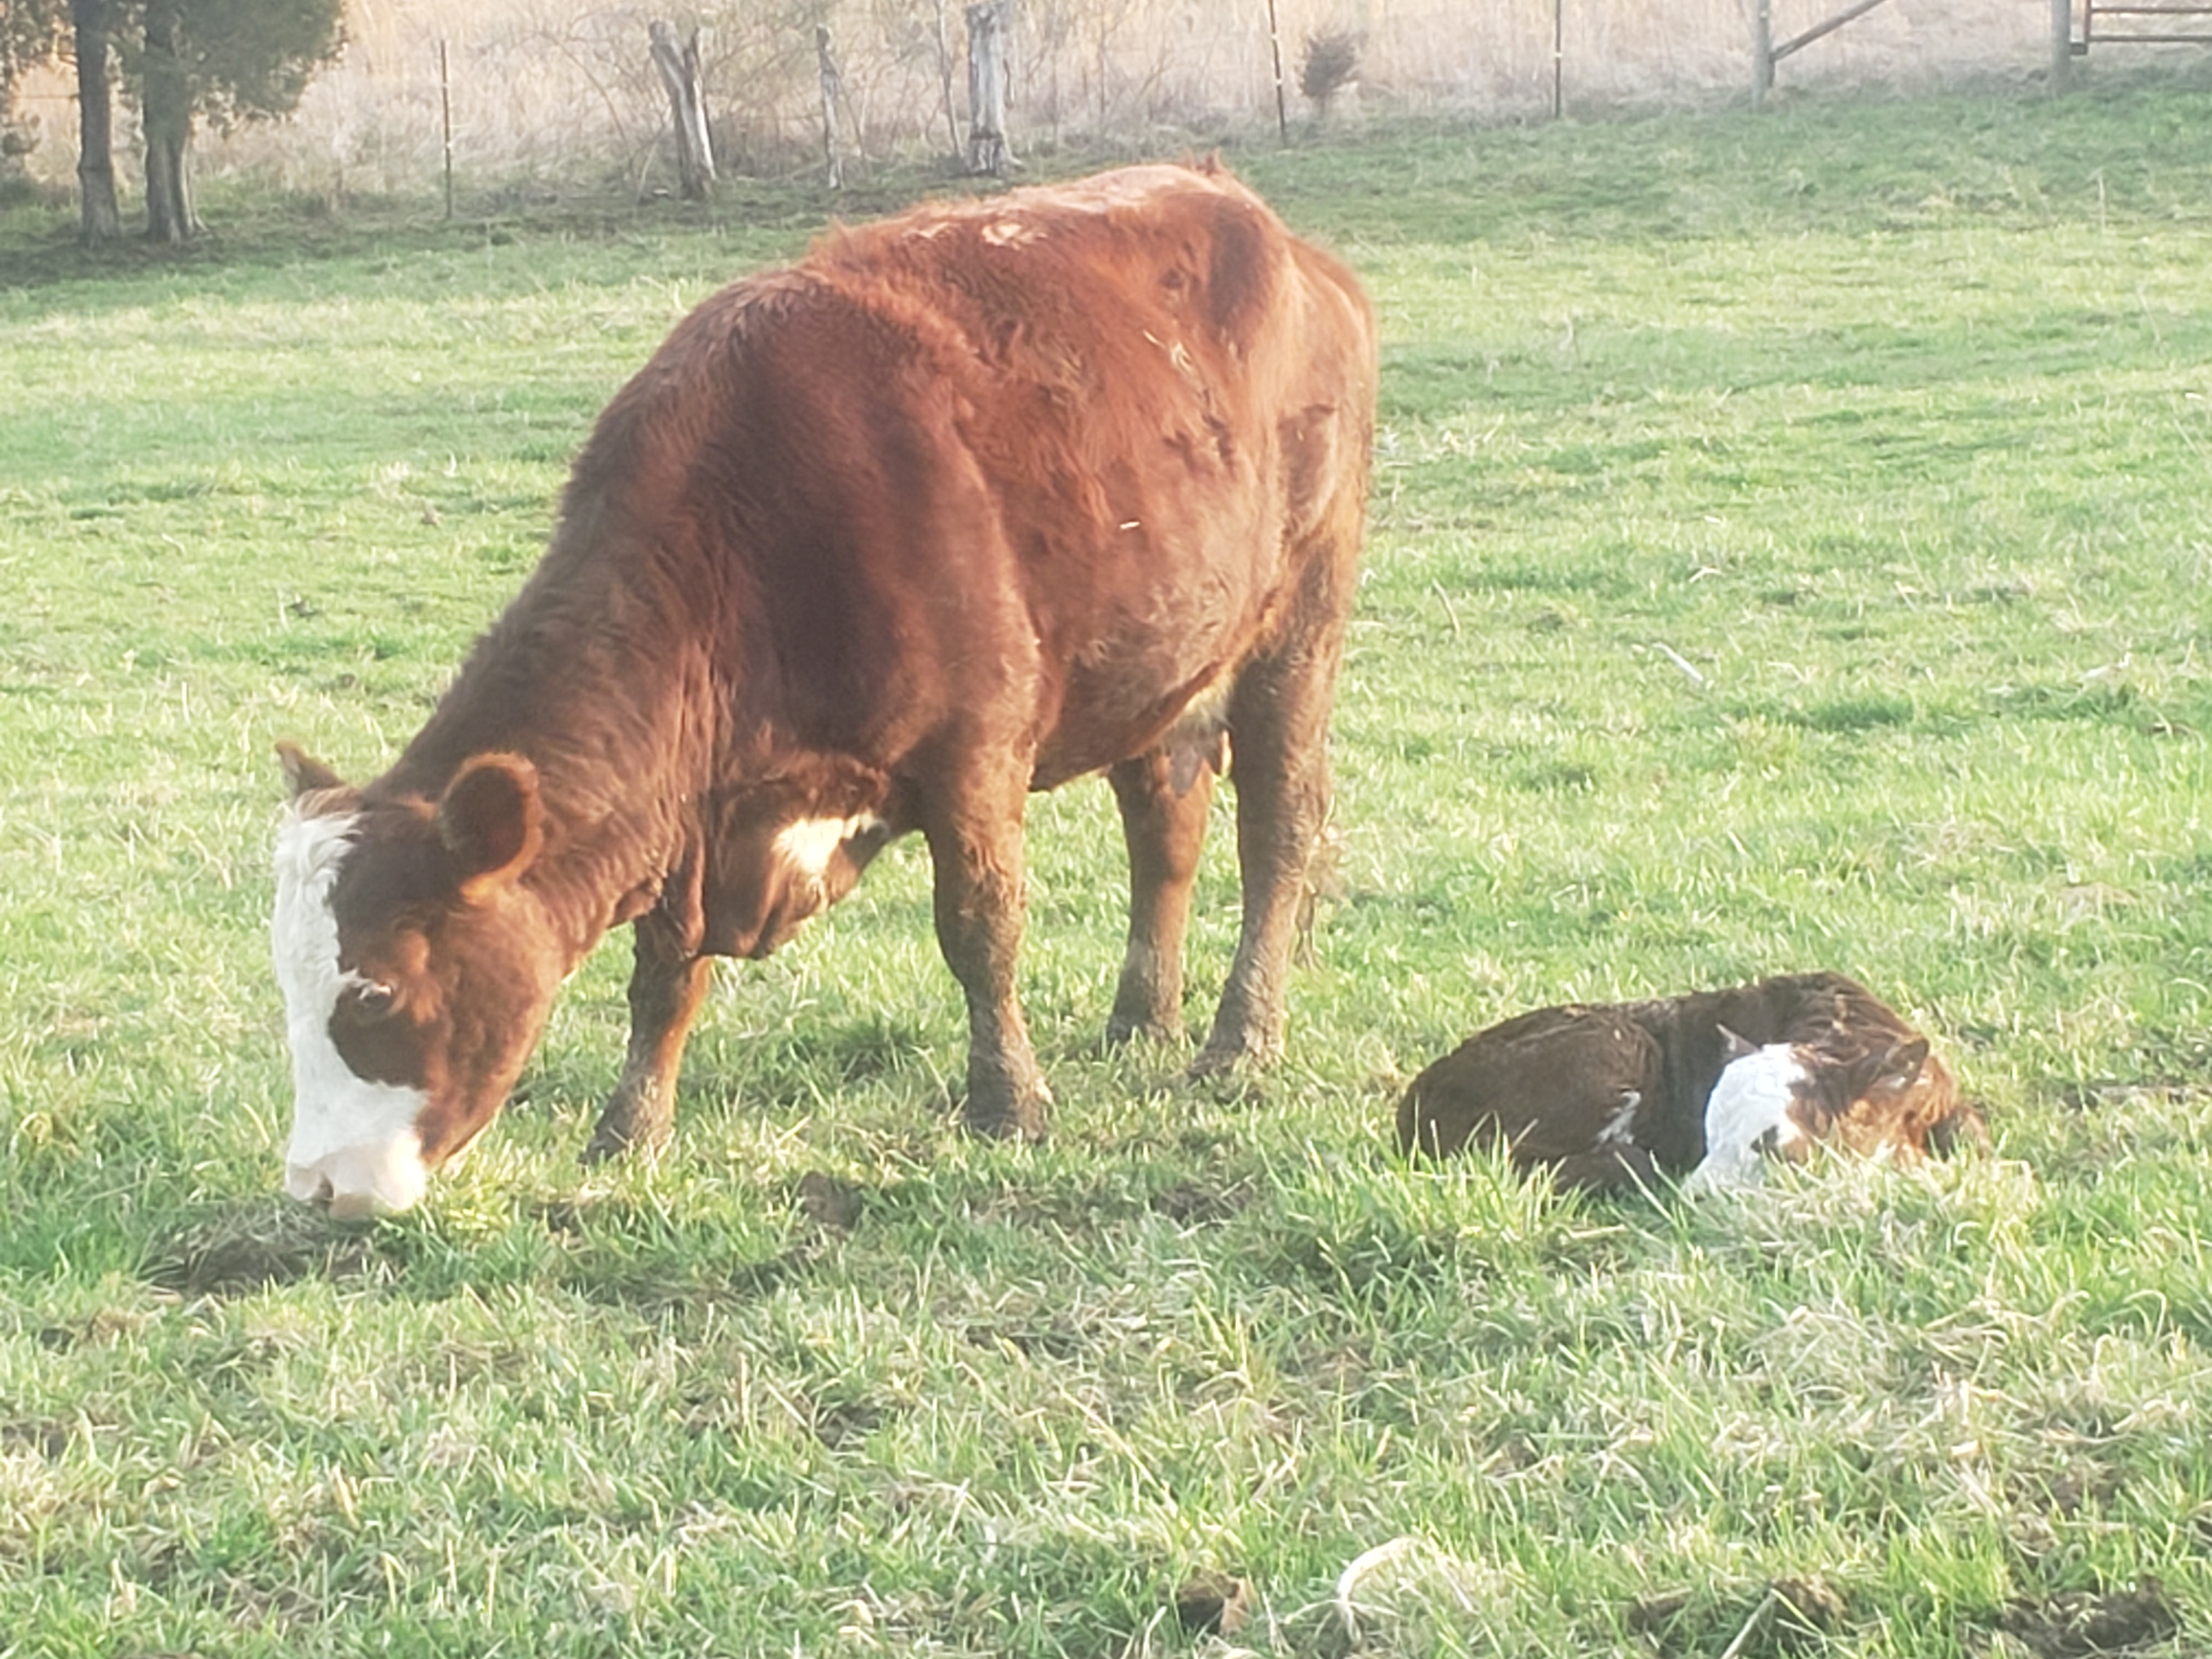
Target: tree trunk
[945,78]
[102,221]
[166,104]
[989,72]
[832,85]
[680,73]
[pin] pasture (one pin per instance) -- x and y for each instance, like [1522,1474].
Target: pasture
[1790,549]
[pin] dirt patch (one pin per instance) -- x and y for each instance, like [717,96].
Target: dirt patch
[2085,1625]
[1789,1617]
[1191,1203]
[1214,1604]
[829,1203]
[47,1437]
[243,1250]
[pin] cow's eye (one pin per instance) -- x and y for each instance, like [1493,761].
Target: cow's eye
[374,1000]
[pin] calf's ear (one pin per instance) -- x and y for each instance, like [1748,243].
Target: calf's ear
[1965,1127]
[303,772]
[492,821]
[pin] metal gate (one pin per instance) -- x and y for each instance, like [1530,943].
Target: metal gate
[2141,24]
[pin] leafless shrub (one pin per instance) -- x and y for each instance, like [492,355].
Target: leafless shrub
[1329,62]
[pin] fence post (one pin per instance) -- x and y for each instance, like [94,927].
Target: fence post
[1282,107]
[1762,51]
[987,149]
[2062,43]
[1559,57]
[446,114]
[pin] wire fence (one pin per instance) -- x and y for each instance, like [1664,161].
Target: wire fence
[542,88]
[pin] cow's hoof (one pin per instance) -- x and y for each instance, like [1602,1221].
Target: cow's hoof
[608,1143]
[1165,1031]
[1218,1060]
[995,1115]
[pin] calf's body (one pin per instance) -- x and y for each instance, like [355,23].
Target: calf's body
[972,502]
[1614,1094]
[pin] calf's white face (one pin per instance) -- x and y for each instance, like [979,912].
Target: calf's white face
[1749,1116]
[353,1140]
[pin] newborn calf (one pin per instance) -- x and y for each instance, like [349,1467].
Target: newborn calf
[1614,1094]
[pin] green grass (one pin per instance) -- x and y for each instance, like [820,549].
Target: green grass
[1790,550]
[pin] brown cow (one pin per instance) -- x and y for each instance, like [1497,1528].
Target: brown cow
[1614,1094]
[973,502]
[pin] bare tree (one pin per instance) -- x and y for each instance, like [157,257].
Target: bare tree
[988,27]
[165,102]
[680,73]
[832,85]
[100,219]
[945,76]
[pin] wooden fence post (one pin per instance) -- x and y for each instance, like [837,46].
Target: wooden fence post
[680,73]
[832,85]
[1762,51]
[445,113]
[987,74]
[1558,58]
[1282,107]
[2062,43]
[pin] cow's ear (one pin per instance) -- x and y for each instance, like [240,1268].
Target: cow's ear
[1734,1048]
[492,821]
[1890,1073]
[303,772]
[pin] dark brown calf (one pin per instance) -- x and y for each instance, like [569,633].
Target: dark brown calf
[973,501]
[1615,1094]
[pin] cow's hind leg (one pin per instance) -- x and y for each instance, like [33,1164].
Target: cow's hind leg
[974,828]
[1277,723]
[667,987]
[1164,829]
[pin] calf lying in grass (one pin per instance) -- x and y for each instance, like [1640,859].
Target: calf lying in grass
[1610,1095]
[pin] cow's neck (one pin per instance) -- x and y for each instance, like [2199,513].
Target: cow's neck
[592,688]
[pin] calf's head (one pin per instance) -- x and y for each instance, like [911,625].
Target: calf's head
[1783,1099]
[417,969]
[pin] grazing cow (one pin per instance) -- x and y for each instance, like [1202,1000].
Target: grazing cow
[972,501]
[1614,1094]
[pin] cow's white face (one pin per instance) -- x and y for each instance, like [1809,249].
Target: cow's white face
[417,970]
[353,1140]
[1752,1112]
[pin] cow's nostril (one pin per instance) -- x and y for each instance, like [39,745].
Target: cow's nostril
[307,1184]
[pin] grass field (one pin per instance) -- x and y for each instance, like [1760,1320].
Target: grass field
[1790,551]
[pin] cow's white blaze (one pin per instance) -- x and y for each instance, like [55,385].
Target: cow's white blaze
[1748,1114]
[352,1139]
[807,845]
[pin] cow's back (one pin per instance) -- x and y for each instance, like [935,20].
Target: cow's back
[1056,455]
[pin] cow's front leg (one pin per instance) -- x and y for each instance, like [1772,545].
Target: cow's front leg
[975,835]
[667,987]
[1164,831]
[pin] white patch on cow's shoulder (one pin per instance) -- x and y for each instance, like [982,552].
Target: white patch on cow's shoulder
[1748,1113]
[805,846]
[1619,1128]
[353,1139]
